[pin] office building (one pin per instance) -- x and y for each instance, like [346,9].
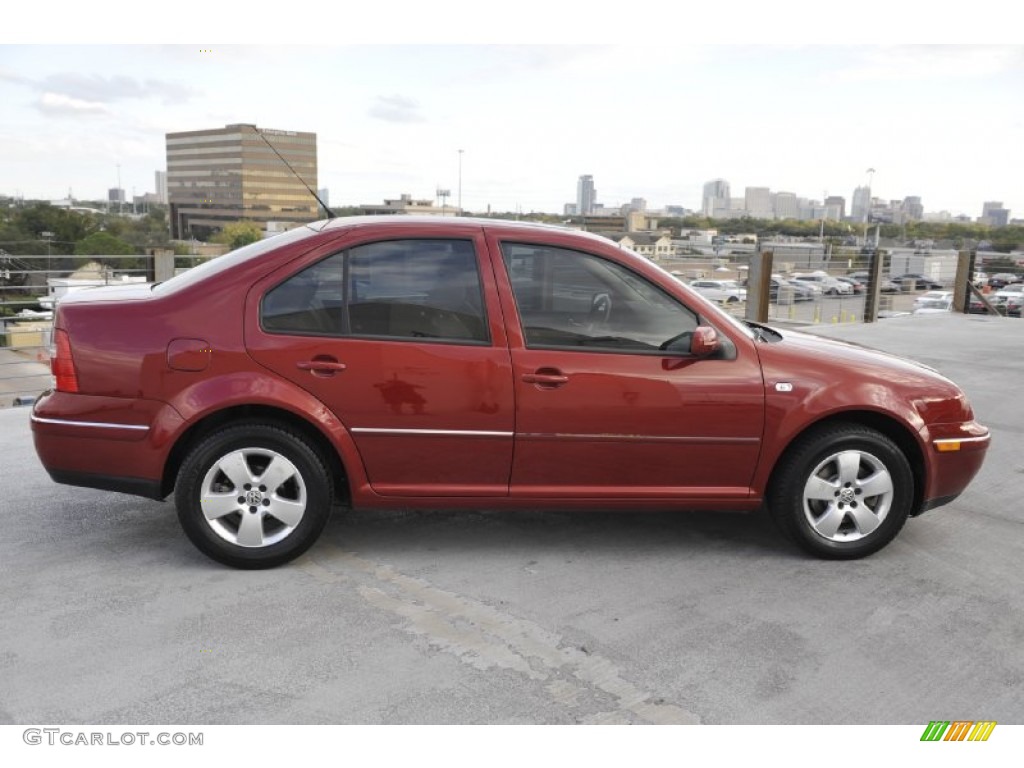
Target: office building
[716,197]
[161,187]
[223,175]
[586,196]
[836,205]
[861,205]
[993,214]
[785,205]
[913,209]
[757,202]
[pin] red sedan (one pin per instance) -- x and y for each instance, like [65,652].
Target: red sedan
[457,363]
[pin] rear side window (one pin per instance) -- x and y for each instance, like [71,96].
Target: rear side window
[398,289]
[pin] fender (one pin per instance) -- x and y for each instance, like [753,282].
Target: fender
[209,396]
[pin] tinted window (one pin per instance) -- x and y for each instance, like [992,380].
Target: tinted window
[572,299]
[406,289]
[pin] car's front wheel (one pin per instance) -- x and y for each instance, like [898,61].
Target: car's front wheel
[842,491]
[253,495]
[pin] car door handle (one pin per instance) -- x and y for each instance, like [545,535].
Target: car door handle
[545,379]
[321,367]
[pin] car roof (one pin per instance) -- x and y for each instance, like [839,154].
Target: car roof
[449,224]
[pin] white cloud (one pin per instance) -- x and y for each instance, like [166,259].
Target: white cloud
[920,62]
[396,109]
[57,105]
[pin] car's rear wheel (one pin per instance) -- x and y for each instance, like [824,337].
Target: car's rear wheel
[842,491]
[253,495]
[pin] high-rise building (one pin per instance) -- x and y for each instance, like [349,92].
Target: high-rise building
[836,205]
[785,205]
[861,205]
[222,175]
[716,196]
[586,195]
[913,210]
[993,214]
[115,195]
[161,186]
[757,202]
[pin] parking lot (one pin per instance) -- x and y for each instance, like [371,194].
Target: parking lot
[111,616]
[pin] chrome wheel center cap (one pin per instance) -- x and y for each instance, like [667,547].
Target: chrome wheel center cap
[253,498]
[846,495]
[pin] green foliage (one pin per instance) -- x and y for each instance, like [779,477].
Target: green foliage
[21,229]
[102,244]
[238,234]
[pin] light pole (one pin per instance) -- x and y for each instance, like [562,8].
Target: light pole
[47,236]
[460,182]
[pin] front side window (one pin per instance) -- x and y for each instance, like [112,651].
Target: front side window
[398,289]
[571,299]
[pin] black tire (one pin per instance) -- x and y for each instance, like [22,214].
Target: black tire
[848,461]
[279,519]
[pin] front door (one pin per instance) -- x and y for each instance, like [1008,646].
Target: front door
[609,402]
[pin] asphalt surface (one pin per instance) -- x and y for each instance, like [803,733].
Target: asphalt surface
[108,614]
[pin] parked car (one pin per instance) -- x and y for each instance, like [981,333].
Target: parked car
[887,285]
[722,291]
[1003,279]
[828,285]
[421,362]
[1011,291]
[854,283]
[977,307]
[804,291]
[933,306]
[933,298]
[920,281]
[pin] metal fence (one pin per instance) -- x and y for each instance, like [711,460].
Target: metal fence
[974,282]
[801,283]
[30,286]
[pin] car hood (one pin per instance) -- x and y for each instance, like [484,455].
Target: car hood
[850,355]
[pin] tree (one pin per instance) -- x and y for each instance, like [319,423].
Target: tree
[239,233]
[102,244]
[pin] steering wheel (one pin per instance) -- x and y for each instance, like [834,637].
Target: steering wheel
[600,310]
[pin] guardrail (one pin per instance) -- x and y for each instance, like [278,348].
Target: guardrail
[30,286]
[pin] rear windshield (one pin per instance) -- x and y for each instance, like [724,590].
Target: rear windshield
[220,263]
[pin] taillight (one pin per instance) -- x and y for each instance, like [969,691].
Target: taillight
[62,363]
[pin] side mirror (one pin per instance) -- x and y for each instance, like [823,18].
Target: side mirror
[704,341]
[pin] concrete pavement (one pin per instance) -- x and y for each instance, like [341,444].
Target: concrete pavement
[109,615]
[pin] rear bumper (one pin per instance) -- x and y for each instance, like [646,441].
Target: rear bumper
[118,444]
[136,486]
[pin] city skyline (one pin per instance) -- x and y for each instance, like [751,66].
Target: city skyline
[77,117]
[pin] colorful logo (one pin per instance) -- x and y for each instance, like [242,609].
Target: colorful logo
[958,730]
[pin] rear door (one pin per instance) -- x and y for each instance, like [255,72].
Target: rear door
[398,337]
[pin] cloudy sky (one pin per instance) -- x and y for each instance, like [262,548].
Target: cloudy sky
[652,116]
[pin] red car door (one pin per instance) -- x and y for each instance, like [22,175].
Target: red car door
[396,337]
[608,401]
